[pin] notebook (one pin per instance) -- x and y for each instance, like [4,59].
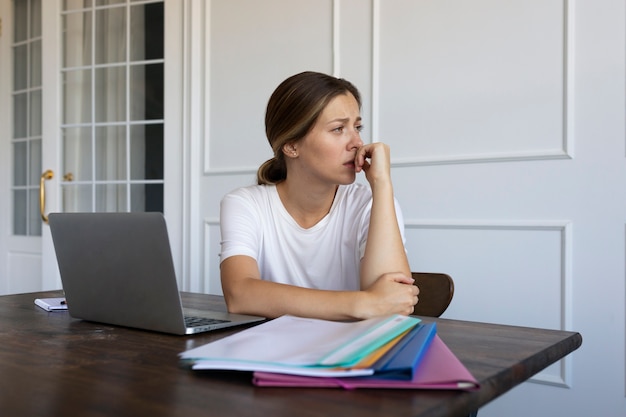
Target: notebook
[117,268]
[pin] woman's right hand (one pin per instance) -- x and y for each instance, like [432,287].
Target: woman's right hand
[374,160]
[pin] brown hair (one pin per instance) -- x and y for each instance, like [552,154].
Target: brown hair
[292,111]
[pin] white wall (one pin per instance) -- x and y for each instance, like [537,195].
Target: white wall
[506,121]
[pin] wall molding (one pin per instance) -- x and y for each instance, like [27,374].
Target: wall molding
[567,142]
[336,38]
[206,91]
[564,228]
[449,160]
[479,158]
[209,282]
[193,107]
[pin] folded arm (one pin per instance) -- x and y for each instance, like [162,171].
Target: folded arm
[246,293]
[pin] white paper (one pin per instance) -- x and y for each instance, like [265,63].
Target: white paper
[289,370]
[289,341]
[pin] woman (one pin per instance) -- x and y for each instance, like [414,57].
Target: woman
[307,240]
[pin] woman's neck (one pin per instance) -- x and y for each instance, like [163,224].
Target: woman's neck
[307,205]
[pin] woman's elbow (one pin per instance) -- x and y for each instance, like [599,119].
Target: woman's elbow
[233,301]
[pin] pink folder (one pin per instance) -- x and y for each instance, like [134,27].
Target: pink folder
[439,369]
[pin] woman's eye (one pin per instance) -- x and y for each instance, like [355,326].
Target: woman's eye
[338,129]
[359,128]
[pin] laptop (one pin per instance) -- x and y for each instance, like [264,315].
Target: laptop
[117,268]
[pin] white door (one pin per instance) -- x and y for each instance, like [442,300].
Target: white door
[22,128]
[86,131]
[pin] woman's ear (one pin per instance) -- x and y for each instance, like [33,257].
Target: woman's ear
[289,149]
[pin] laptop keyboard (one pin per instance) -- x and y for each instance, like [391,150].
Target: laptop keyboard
[191,321]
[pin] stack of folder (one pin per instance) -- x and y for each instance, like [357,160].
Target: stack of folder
[388,352]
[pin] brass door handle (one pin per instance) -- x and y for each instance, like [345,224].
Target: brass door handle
[48,175]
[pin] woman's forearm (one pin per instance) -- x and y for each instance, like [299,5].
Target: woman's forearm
[384,251]
[248,294]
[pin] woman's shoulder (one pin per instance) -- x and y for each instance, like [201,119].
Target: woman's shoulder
[254,195]
[252,191]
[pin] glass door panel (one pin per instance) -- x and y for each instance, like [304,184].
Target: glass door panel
[26,138]
[77,96]
[110,94]
[111,148]
[77,38]
[111,197]
[112,126]
[77,154]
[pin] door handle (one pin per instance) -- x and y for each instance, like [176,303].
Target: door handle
[48,175]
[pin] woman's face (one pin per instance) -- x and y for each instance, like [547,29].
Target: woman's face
[327,152]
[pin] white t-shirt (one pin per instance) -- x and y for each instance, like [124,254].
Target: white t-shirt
[255,223]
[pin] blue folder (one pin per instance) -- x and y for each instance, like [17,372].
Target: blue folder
[403,359]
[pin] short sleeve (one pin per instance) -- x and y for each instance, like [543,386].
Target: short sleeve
[239,226]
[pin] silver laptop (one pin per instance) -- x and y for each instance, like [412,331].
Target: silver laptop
[117,268]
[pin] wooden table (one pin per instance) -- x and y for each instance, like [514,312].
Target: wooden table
[54,365]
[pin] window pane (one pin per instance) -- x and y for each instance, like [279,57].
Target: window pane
[110,99]
[34,214]
[77,94]
[108,2]
[19,212]
[20,66]
[146,152]
[26,119]
[35,64]
[111,35]
[146,197]
[76,198]
[77,151]
[35,162]
[137,197]
[111,197]
[20,20]
[35,113]
[137,152]
[76,4]
[19,116]
[76,39]
[35,18]
[146,40]
[146,92]
[111,153]
[20,163]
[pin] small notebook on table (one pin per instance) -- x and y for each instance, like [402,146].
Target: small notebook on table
[52,304]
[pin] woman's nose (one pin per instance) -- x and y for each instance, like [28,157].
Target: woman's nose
[355,141]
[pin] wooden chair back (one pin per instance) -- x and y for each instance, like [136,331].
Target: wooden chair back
[436,292]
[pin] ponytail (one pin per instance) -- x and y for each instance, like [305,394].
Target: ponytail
[272,171]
